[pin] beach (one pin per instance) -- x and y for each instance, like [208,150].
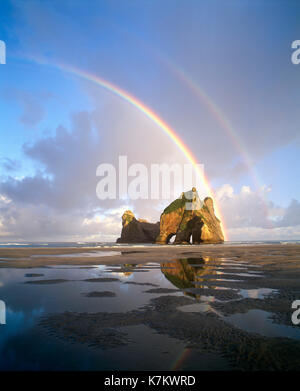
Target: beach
[207,307]
[279,256]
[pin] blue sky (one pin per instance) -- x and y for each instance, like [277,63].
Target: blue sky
[55,128]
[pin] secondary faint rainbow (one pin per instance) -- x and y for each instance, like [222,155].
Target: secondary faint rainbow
[207,101]
[216,112]
[149,113]
[220,117]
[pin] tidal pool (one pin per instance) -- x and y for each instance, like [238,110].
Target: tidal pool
[133,306]
[258,321]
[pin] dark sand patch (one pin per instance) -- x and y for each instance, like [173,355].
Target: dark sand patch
[204,332]
[88,267]
[33,275]
[277,303]
[123,270]
[227,277]
[226,283]
[140,283]
[102,279]
[162,290]
[219,294]
[133,252]
[99,294]
[103,337]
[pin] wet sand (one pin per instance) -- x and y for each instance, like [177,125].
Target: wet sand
[285,259]
[237,277]
[206,333]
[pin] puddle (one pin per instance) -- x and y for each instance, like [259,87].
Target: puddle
[240,264]
[196,307]
[259,293]
[258,321]
[212,287]
[241,274]
[96,289]
[202,306]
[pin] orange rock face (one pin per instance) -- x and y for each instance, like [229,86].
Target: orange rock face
[190,221]
[187,218]
[169,224]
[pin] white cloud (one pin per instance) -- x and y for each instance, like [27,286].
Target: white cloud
[249,215]
[4,199]
[225,191]
[257,233]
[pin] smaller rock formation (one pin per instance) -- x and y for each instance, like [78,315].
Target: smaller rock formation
[137,231]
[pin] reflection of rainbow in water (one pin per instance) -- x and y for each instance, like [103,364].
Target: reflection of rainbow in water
[149,113]
[182,358]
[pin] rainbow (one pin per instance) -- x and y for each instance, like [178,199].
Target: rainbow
[216,113]
[212,107]
[182,358]
[148,113]
[220,117]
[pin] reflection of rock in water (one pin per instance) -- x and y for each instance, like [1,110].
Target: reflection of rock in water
[126,269]
[184,272]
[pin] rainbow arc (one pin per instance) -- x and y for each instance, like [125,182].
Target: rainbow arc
[142,107]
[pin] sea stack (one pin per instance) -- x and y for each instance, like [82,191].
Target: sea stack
[137,231]
[187,218]
[190,220]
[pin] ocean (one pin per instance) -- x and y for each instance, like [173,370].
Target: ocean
[116,245]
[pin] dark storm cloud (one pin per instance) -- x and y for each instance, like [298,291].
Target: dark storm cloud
[69,160]
[35,190]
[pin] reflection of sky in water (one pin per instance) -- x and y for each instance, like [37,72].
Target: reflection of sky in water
[258,321]
[68,296]
[259,293]
[17,322]
[240,274]
[22,346]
